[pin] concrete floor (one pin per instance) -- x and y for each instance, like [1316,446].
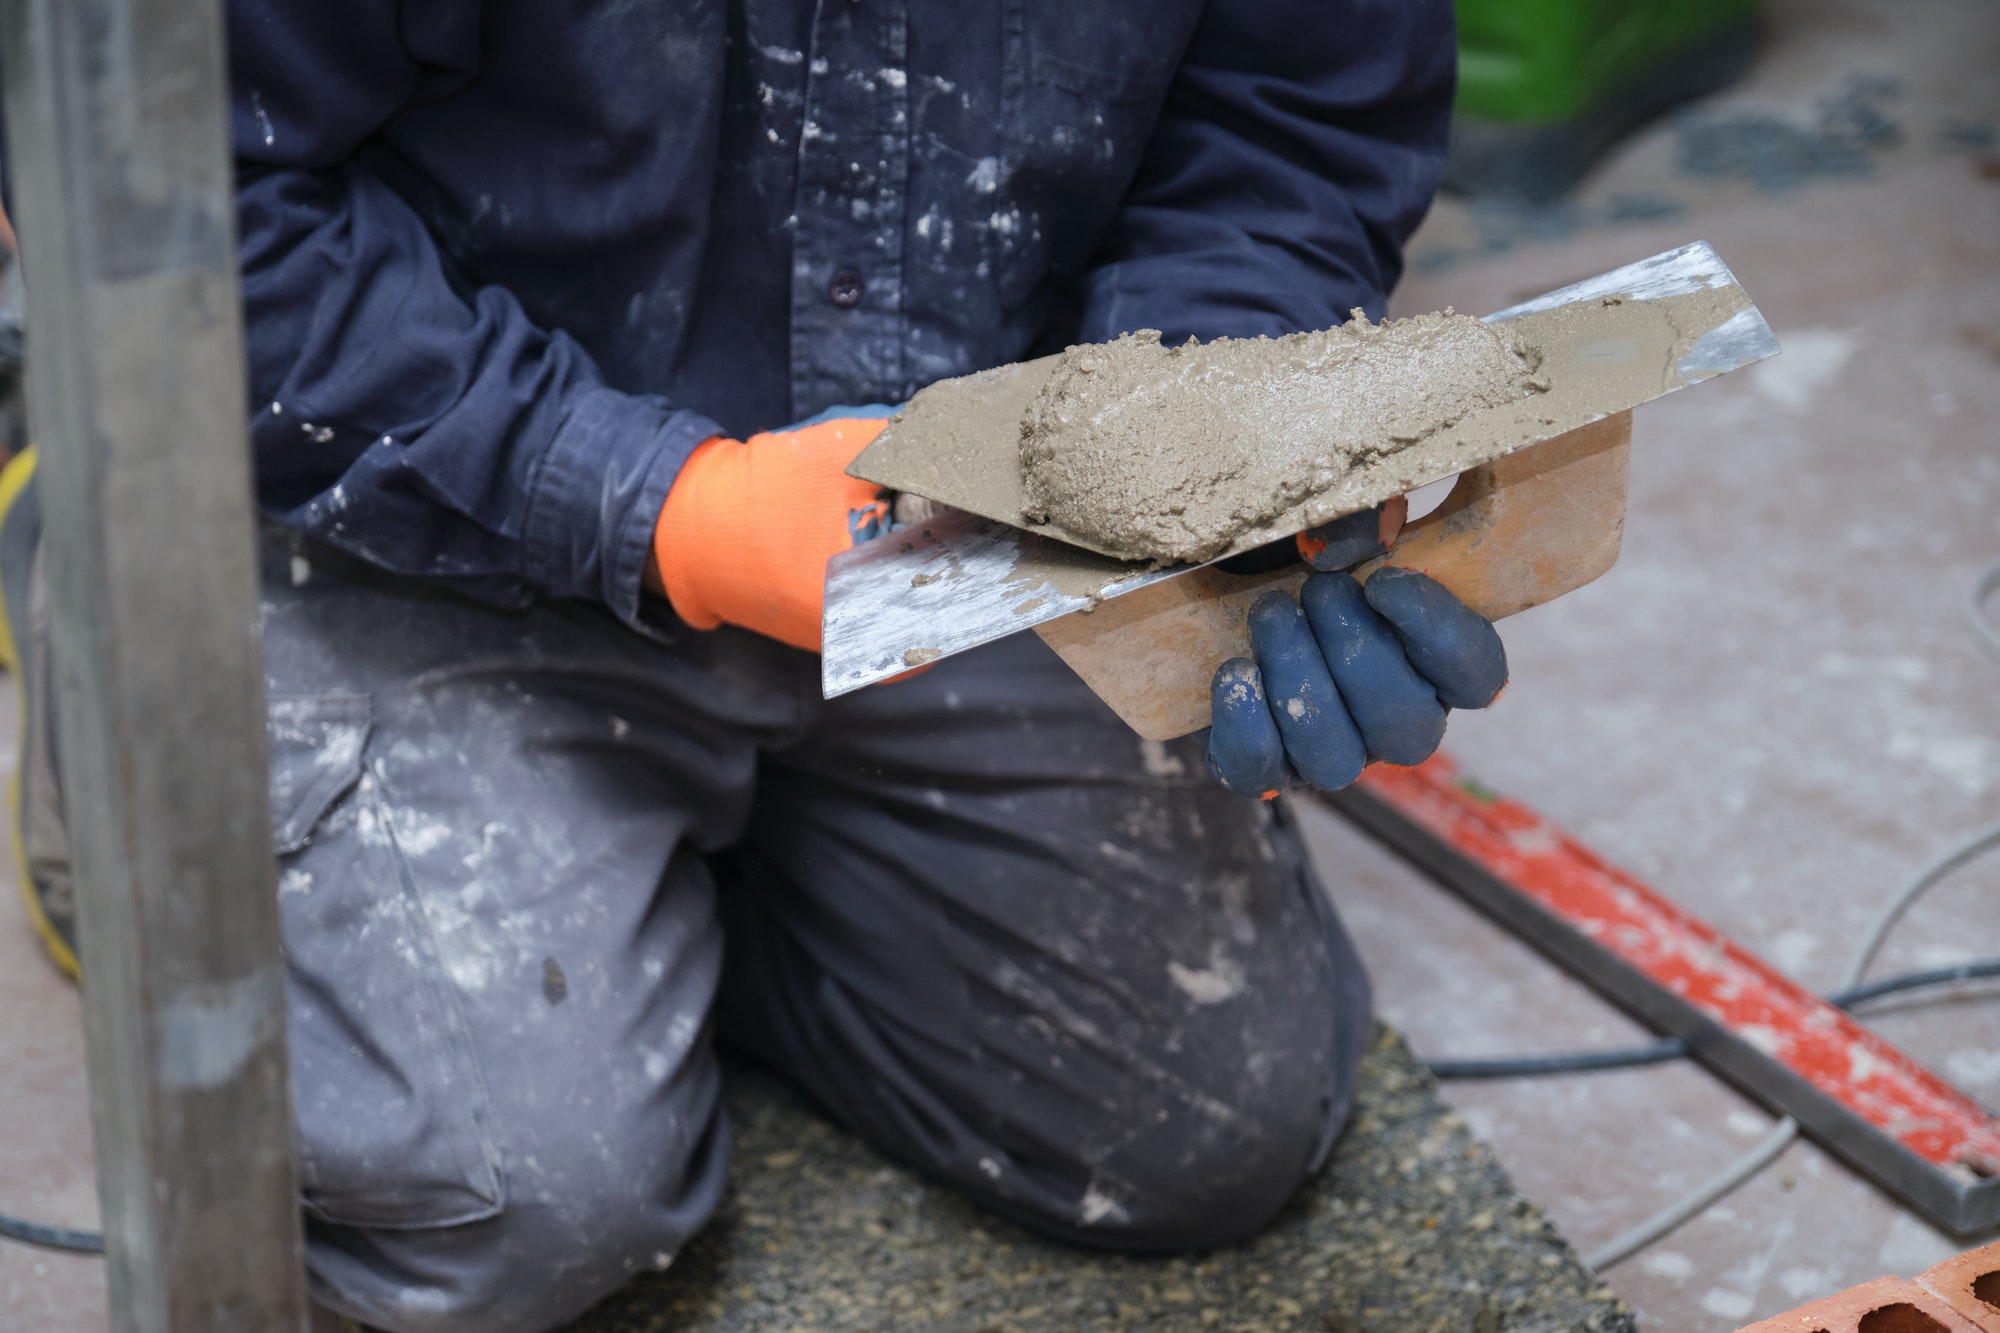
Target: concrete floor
[1772,709]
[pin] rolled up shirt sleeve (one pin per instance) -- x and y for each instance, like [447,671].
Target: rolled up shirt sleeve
[400,411]
[1299,147]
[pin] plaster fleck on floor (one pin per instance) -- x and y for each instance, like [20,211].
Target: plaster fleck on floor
[1772,709]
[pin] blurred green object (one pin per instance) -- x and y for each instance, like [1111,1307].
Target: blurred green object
[1545,86]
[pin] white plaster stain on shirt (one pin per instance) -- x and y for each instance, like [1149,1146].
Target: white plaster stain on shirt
[1158,762]
[420,834]
[1234,890]
[1123,856]
[370,829]
[934,226]
[682,1030]
[1221,980]
[468,960]
[985,175]
[488,834]
[1097,1206]
[263,118]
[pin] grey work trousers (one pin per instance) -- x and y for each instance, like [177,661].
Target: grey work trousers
[533,867]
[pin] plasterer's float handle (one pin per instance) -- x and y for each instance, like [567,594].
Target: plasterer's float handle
[1514,533]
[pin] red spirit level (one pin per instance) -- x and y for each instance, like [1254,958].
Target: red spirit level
[1886,1115]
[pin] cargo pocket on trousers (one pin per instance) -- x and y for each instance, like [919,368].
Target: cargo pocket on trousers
[392,1115]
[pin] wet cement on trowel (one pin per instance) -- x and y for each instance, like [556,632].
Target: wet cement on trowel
[1333,430]
[1412,1228]
[1170,453]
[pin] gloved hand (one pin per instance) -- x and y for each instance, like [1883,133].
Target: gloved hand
[1348,673]
[748,526]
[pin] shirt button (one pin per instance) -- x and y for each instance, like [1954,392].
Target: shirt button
[845,289]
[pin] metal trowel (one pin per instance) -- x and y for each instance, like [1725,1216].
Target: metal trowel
[1538,508]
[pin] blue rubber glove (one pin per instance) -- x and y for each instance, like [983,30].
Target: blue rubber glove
[844,411]
[1346,675]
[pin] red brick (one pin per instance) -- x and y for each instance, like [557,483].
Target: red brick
[1886,1305]
[1970,1283]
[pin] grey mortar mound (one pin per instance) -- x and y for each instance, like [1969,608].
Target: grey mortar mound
[1171,453]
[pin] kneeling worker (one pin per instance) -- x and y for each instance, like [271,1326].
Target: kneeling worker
[558,804]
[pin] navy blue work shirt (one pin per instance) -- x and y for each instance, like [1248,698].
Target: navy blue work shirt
[505,263]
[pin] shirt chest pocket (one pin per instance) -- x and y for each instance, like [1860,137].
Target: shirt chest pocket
[1084,84]
[1112,50]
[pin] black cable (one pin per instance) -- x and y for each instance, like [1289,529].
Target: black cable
[1562,1062]
[51,1238]
[1976,970]
[1673,1048]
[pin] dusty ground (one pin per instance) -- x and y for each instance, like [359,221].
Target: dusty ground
[1772,709]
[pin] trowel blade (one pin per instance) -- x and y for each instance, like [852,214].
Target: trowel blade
[964,579]
[953,583]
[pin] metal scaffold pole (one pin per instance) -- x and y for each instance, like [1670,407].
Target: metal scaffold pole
[121,192]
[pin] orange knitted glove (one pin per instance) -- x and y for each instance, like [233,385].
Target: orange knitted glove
[749,525]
